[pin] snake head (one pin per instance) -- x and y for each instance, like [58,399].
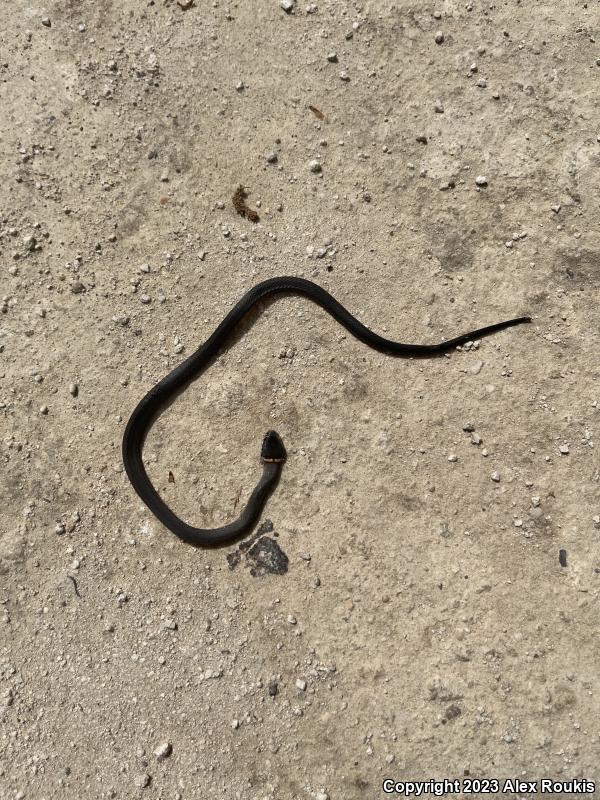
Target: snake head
[272,450]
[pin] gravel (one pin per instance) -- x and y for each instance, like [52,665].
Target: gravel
[163,751]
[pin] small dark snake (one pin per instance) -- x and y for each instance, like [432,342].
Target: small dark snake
[273,454]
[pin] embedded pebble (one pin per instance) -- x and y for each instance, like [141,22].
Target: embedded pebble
[300,684]
[315,166]
[163,751]
[438,107]
[476,368]
[495,476]
[271,158]
[46,21]
[142,781]
[287,5]
[481,180]
[452,457]
[439,37]
[564,449]
[292,619]
[332,58]
[73,389]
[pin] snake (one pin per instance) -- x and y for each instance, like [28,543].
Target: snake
[273,453]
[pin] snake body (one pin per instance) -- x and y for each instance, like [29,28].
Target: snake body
[273,453]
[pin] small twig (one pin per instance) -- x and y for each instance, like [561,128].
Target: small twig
[318,114]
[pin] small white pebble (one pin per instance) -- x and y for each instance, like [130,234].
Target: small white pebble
[141,781]
[564,449]
[452,457]
[163,751]
[439,37]
[300,684]
[495,476]
[481,180]
[292,619]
